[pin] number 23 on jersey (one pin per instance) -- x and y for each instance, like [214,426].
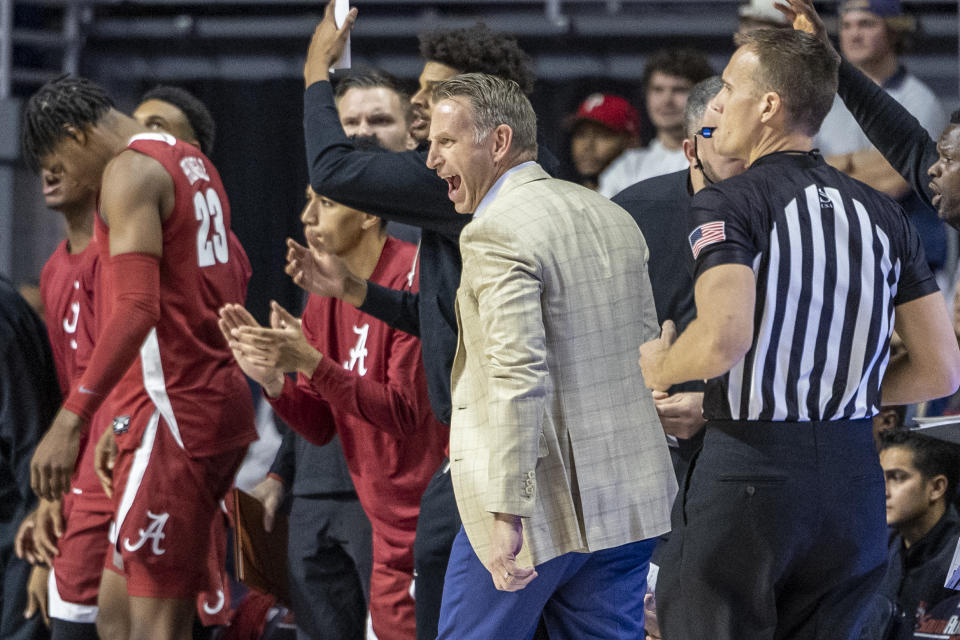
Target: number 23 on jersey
[212,245]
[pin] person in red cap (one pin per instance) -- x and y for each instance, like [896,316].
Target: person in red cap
[604,126]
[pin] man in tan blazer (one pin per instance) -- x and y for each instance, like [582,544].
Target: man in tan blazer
[559,463]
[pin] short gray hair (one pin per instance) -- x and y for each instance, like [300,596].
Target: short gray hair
[495,101]
[697,100]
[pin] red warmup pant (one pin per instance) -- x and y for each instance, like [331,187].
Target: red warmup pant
[391,603]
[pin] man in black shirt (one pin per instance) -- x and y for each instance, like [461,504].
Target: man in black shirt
[780,530]
[661,208]
[921,474]
[29,398]
[399,187]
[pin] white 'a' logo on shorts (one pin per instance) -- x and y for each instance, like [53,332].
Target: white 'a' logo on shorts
[359,352]
[154,533]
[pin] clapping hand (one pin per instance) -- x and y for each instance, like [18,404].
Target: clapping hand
[282,347]
[232,318]
[324,274]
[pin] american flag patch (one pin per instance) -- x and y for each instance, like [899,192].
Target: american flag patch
[705,235]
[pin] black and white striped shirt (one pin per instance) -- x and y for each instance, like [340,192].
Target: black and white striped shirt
[832,258]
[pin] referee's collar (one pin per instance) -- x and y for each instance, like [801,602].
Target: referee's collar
[801,159]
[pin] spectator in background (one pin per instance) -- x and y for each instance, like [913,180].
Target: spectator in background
[873,35]
[371,104]
[921,477]
[604,126]
[29,398]
[667,79]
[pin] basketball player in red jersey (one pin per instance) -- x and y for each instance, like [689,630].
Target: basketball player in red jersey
[67,288]
[182,413]
[75,552]
[173,110]
[74,541]
[362,380]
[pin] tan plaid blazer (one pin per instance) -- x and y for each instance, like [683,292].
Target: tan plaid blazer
[551,419]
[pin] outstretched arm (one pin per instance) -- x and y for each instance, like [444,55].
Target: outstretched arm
[394,186]
[893,130]
[136,193]
[325,274]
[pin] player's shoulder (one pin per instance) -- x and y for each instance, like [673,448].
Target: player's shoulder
[131,166]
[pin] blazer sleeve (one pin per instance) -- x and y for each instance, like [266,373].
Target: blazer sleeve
[507,283]
[395,185]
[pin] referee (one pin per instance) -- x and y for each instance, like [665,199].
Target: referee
[780,529]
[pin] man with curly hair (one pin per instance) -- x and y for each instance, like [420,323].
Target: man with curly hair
[474,49]
[400,187]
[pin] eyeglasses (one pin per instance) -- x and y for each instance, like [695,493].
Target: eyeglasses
[706,132]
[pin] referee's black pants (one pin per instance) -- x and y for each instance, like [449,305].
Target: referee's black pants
[779,532]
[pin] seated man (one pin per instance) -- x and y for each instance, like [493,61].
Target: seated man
[361,380]
[921,475]
[604,126]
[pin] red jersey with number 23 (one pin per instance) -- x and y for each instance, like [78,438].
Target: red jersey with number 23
[185,368]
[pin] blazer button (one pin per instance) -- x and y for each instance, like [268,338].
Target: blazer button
[531,474]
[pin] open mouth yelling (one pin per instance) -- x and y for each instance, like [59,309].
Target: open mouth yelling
[935,200]
[453,187]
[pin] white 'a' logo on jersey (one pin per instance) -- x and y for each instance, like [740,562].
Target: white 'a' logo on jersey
[154,533]
[359,352]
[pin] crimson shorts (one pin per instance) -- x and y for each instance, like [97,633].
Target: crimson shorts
[168,509]
[75,579]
